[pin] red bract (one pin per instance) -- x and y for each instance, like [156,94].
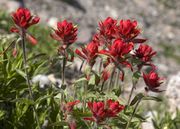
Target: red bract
[105,75]
[89,53]
[114,108]
[107,28]
[152,81]
[67,110]
[23,19]
[118,50]
[144,53]
[98,110]
[128,30]
[68,107]
[102,110]
[66,32]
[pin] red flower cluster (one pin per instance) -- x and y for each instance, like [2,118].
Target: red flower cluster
[117,42]
[102,110]
[66,32]
[107,28]
[128,31]
[23,20]
[118,50]
[144,53]
[68,107]
[152,81]
[89,53]
[67,110]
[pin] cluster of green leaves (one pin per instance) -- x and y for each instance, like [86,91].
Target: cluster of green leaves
[15,106]
[163,119]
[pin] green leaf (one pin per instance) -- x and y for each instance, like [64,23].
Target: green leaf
[117,92]
[136,98]
[59,123]
[2,114]
[94,80]
[80,80]
[20,72]
[136,76]
[152,98]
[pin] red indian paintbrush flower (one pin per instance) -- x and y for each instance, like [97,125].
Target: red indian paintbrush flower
[68,107]
[89,53]
[118,50]
[144,53]
[117,53]
[128,31]
[152,81]
[23,20]
[66,32]
[102,110]
[67,110]
[114,108]
[107,28]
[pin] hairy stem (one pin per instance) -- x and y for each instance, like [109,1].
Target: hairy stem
[81,67]
[134,111]
[63,70]
[102,86]
[111,79]
[100,65]
[130,95]
[27,76]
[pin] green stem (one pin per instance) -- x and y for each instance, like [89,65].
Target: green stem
[63,79]
[111,80]
[63,71]
[81,67]
[95,126]
[134,111]
[100,65]
[27,77]
[102,86]
[130,95]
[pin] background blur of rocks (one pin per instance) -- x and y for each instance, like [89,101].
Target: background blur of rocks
[159,20]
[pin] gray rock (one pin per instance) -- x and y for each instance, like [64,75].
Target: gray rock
[172,92]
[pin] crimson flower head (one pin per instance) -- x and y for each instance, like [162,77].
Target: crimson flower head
[23,19]
[118,49]
[114,108]
[107,28]
[117,52]
[128,30]
[102,110]
[153,81]
[98,111]
[144,53]
[66,32]
[89,53]
[68,107]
